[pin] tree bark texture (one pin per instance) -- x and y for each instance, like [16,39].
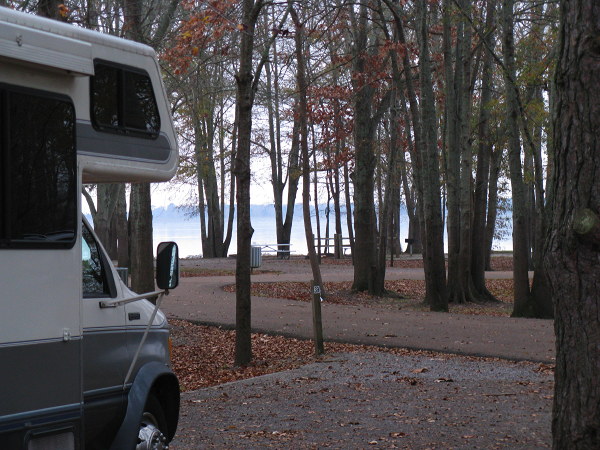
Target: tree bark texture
[519,213]
[364,131]
[492,213]
[244,103]
[212,239]
[484,153]
[140,239]
[303,128]
[434,260]
[107,196]
[414,208]
[453,86]
[140,207]
[571,260]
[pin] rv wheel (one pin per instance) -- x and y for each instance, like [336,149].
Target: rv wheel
[153,427]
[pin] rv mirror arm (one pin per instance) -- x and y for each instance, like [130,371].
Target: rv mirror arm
[115,303]
[144,336]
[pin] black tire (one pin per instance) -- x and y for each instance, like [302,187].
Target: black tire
[153,430]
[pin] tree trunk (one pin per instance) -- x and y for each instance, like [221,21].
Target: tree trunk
[140,215]
[540,294]
[434,261]
[414,209]
[386,212]
[244,104]
[122,229]
[208,189]
[315,195]
[107,196]
[247,84]
[303,121]
[571,251]
[484,152]
[490,222]
[453,86]
[349,212]
[140,239]
[519,213]
[365,125]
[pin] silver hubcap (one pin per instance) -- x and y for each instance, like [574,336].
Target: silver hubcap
[149,436]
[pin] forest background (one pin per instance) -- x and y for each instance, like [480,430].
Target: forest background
[440,110]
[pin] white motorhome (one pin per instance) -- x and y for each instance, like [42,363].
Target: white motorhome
[84,362]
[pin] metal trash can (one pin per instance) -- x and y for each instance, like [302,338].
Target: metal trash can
[255,257]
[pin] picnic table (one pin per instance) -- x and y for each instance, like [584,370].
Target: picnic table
[281,250]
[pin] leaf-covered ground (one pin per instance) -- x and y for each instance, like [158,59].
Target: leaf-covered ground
[403,294]
[203,356]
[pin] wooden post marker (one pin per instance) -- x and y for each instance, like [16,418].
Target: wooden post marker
[317,323]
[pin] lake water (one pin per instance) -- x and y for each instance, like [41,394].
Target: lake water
[186,232]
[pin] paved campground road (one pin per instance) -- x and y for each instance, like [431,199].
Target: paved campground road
[202,299]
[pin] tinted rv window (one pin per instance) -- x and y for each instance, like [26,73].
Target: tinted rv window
[105,94]
[123,101]
[38,201]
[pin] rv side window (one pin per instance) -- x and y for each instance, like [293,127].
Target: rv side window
[94,272]
[123,101]
[38,183]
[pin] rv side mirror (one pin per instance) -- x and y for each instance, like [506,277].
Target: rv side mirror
[167,265]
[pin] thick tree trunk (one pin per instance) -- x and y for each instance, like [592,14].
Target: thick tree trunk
[364,187]
[453,86]
[484,153]
[106,204]
[244,103]
[140,213]
[434,261]
[519,213]
[469,291]
[571,252]
[540,290]
[140,239]
[122,232]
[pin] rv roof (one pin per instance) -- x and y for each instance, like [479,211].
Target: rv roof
[64,29]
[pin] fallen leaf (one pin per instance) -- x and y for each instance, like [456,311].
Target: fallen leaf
[395,435]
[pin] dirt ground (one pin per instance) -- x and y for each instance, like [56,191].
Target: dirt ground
[375,400]
[371,398]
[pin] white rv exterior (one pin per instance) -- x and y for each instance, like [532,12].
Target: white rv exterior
[84,362]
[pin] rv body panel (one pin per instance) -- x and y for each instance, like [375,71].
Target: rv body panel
[37,314]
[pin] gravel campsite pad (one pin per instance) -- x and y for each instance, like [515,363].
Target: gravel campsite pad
[376,399]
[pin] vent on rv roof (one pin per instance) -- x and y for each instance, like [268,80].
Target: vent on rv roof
[47,49]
